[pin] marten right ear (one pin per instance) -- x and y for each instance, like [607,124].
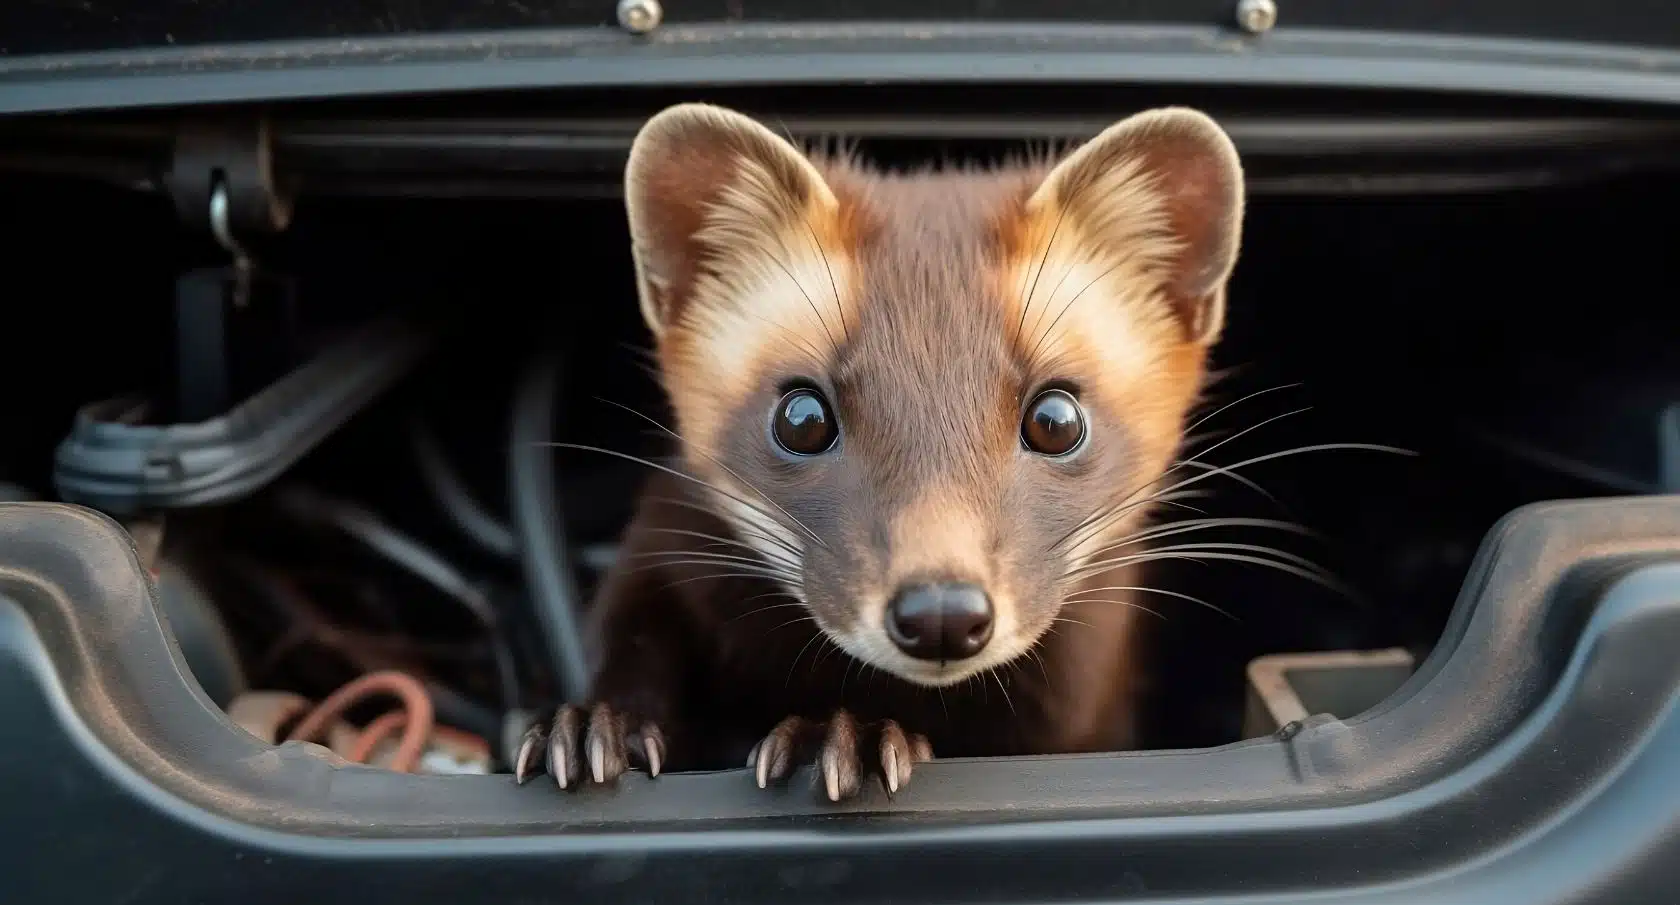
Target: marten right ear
[1163,190]
[714,201]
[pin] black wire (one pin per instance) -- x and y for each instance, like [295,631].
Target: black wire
[453,708]
[535,506]
[456,709]
[1586,472]
[1668,449]
[418,560]
[475,522]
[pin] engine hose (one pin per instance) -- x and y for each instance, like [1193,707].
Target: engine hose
[468,516]
[535,509]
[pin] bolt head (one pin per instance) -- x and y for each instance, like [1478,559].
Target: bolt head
[639,16]
[1257,16]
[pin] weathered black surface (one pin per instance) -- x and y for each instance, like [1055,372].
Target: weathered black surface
[61,26]
[1531,760]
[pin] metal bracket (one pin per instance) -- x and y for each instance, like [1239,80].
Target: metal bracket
[222,181]
[237,156]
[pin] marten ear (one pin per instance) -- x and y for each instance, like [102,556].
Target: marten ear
[708,191]
[1163,188]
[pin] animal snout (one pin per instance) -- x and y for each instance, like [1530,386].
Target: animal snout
[940,621]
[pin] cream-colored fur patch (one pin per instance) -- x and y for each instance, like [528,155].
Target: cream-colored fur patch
[778,298]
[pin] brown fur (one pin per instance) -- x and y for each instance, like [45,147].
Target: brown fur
[929,308]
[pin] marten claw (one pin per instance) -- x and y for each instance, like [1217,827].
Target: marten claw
[837,744]
[525,763]
[600,738]
[899,752]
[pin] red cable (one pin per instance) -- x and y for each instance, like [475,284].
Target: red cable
[416,717]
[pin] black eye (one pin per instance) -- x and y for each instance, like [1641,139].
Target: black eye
[804,424]
[1054,424]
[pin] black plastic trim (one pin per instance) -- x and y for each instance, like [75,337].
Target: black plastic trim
[1534,758]
[711,56]
[1283,153]
[44,27]
[386,148]
[110,462]
[529,140]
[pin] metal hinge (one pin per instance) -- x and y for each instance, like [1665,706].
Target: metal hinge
[233,159]
[232,323]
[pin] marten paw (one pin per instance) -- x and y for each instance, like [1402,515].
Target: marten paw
[843,752]
[600,739]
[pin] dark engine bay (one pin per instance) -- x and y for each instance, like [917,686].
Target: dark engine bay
[400,530]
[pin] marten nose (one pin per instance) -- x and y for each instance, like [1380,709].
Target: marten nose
[940,621]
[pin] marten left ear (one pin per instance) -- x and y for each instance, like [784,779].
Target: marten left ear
[1165,188]
[711,197]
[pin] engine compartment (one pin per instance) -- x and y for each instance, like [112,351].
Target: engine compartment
[1496,308]
[1416,274]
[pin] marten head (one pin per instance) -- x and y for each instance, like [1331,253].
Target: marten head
[927,400]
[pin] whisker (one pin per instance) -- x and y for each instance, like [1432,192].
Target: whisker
[815,354]
[1038,658]
[1035,274]
[1007,699]
[1239,478]
[1072,621]
[1097,521]
[1305,574]
[1216,470]
[778,628]
[1231,405]
[675,557]
[638,350]
[1210,521]
[731,542]
[1193,461]
[719,463]
[716,539]
[1185,506]
[1117,602]
[1191,441]
[731,562]
[1210,469]
[771,594]
[743,528]
[713,576]
[1247,430]
[678,474]
[1075,598]
[739,572]
[839,309]
[1046,333]
[822,656]
[808,300]
[765,609]
[1202,546]
[696,559]
[1108,515]
[1184,527]
[1101,520]
[818,636]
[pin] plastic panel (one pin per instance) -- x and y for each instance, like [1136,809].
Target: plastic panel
[38,28]
[1534,758]
[705,57]
[123,468]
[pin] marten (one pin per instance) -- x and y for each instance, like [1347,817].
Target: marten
[922,419]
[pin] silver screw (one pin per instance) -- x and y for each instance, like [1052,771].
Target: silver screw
[1255,16]
[640,16]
